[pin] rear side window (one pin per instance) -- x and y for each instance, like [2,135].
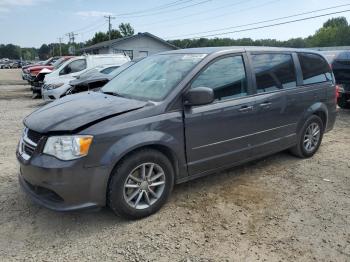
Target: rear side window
[226,76]
[315,69]
[274,72]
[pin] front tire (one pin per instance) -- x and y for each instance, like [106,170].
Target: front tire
[140,184]
[310,138]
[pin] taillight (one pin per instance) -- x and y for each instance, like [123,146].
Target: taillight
[337,88]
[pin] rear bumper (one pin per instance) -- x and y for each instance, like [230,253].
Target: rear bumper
[63,185]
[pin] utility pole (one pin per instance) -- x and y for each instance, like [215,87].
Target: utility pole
[109,17]
[71,37]
[71,40]
[60,41]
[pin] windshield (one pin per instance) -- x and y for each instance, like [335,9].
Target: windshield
[89,72]
[154,77]
[59,62]
[120,69]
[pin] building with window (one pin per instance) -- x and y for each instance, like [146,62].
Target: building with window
[136,46]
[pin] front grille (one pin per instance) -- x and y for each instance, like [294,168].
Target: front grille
[34,136]
[29,150]
[28,143]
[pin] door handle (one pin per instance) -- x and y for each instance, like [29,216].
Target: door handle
[266,104]
[245,109]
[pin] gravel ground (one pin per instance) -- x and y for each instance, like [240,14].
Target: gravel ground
[276,209]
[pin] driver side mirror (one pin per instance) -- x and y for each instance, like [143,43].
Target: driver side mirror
[199,96]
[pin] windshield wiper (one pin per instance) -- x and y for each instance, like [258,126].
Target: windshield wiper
[112,93]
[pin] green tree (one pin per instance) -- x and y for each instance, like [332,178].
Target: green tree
[44,52]
[126,29]
[335,32]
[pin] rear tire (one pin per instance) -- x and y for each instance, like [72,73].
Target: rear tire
[309,138]
[140,184]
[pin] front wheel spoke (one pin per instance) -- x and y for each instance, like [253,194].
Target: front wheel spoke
[133,195]
[135,179]
[153,193]
[148,201]
[155,177]
[132,186]
[157,183]
[138,198]
[150,171]
[143,171]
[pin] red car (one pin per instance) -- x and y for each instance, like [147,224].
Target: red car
[30,72]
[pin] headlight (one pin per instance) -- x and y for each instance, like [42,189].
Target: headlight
[54,86]
[68,147]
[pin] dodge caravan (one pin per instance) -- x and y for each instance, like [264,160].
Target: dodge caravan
[170,118]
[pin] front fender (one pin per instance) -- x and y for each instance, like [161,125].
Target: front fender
[134,141]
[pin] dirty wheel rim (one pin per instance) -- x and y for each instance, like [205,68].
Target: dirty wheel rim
[144,185]
[312,137]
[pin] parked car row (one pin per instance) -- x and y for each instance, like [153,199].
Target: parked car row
[51,79]
[8,64]
[57,83]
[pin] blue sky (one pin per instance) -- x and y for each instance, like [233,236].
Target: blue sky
[33,22]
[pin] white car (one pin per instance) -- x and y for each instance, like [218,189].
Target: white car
[56,83]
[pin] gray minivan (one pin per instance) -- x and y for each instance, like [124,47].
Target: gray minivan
[170,118]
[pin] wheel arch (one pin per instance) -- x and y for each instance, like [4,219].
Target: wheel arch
[318,109]
[162,142]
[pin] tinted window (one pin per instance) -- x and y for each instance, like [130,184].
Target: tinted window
[315,69]
[73,67]
[227,78]
[274,72]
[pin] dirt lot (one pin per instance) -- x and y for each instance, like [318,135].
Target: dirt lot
[276,209]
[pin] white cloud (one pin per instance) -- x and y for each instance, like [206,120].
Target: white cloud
[6,5]
[92,13]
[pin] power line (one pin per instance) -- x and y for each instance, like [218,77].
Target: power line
[88,26]
[219,16]
[272,25]
[198,13]
[94,28]
[172,10]
[264,21]
[165,6]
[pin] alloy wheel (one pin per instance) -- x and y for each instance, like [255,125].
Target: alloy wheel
[312,137]
[144,185]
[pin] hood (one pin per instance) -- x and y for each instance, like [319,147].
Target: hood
[38,68]
[58,79]
[93,78]
[78,111]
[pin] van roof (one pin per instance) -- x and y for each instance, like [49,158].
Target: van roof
[212,50]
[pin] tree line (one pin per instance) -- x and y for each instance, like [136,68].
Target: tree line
[334,32]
